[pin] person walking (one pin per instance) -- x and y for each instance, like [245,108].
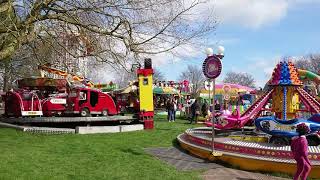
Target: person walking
[299,149]
[167,105]
[175,108]
[195,112]
[239,100]
[204,109]
[170,109]
[217,106]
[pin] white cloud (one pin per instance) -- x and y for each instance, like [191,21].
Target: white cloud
[263,66]
[306,1]
[178,54]
[228,41]
[250,13]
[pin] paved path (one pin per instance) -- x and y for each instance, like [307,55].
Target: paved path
[183,161]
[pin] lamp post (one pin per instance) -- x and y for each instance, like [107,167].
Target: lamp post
[212,69]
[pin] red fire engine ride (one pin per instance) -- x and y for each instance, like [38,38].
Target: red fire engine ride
[52,97]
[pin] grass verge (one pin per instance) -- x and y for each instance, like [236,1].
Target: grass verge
[98,156]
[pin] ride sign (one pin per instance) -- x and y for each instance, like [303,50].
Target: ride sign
[212,67]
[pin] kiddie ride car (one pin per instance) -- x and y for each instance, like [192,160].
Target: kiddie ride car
[283,130]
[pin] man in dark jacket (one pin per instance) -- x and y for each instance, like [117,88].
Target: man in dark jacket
[170,109]
[195,111]
[204,109]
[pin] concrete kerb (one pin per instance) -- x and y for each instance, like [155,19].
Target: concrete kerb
[78,129]
[108,129]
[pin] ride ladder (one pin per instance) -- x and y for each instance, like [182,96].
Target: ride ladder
[313,103]
[254,109]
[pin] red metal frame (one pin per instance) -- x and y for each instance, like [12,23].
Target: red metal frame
[16,105]
[145,72]
[147,118]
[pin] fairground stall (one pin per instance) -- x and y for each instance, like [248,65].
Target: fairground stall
[229,96]
[164,90]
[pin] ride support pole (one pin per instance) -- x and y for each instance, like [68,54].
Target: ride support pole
[213,113]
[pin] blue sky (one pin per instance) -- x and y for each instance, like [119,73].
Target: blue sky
[256,34]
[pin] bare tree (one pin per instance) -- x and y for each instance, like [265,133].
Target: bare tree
[20,65]
[124,77]
[195,76]
[244,79]
[310,62]
[110,30]
[24,63]
[158,75]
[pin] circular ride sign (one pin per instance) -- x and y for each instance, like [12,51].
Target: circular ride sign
[212,67]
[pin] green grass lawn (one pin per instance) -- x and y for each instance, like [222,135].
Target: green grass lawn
[98,156]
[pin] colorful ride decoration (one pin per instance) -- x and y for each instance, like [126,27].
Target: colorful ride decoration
[66,75]
[292,99]
[146,94]
[285,80]
[226,92]
[288,91]
[171,87]
[304,74]
[106,87]
[166,90]
[314,87]
[43,83]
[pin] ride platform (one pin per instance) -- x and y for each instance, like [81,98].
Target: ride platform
[78,125]
[28,120]
[254,156]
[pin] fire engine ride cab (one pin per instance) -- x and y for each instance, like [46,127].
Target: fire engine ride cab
[86,102]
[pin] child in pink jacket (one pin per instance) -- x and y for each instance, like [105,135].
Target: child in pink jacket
[299,148]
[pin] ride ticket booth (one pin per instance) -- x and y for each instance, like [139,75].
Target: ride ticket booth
[146,94]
